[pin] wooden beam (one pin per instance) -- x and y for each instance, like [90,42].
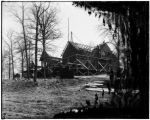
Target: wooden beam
[81,73]
[82,63]
[92,65]
[103,67]
[89,73]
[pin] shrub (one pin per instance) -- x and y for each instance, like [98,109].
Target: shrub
[125,105]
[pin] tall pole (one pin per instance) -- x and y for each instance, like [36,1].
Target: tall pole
[71,37]
[68,29]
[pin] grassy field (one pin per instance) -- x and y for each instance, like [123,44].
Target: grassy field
[20,99]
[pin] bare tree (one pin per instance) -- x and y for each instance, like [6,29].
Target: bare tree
[21,20]
[11,55]
[48,28]
[36,13]
[20,48]
[29,52]
[4,62]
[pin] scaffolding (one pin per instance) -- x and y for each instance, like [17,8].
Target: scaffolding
[87,65]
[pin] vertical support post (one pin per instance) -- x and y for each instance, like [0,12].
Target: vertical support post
[68,29]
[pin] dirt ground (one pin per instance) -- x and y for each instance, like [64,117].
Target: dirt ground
[50,97]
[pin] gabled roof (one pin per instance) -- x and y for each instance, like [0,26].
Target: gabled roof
[48,57]
[44,55]
[105,47]
[79,46]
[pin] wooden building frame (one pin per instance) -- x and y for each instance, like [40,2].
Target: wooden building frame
[83,65]
[83,59]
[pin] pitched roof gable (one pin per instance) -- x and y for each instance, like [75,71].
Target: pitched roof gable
[79,46]
[47,56]
[44,55]
[105,47]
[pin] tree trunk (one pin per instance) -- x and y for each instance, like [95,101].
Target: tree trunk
[12,64]
[44,51]
[22,63]
[25,41]
[29,57]
[139,55]
[36,43]
[9,65]
[35,71]
[12,59]
[118,44]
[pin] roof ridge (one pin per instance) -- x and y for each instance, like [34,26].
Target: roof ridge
[47,53]
[81,46]
[80,43]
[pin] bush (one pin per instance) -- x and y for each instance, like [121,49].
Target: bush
[124,106]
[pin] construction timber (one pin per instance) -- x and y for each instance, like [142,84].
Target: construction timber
[84,60]
[87,65]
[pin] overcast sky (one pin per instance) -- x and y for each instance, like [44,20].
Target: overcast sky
[83,26]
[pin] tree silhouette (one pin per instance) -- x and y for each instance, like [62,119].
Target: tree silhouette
[130,20]
[48,28]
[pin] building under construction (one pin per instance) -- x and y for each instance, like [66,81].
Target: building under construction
[82,59]
[86,60]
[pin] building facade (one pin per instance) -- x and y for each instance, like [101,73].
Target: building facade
[50,61]
[86,60]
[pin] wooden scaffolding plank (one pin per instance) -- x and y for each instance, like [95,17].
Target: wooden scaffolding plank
[92,65]
[82,64]
[103,67]
[81,72]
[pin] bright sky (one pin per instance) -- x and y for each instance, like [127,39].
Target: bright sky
[83,26]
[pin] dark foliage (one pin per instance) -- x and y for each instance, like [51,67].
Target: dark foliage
[132,19]
[120,7]
[103,113]
[121,106]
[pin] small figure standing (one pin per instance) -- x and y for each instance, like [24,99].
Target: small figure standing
[96,99]
[88,103]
